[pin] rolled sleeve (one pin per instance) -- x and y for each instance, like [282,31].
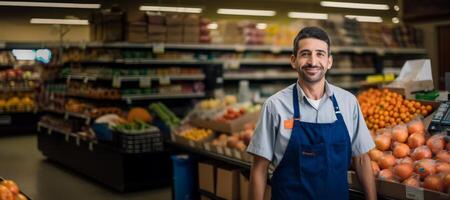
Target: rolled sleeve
[362,142]
[262,143]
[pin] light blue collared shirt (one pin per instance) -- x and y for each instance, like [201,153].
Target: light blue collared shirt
[279,107]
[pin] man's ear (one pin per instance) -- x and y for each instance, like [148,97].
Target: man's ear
[330,62]
[293,60]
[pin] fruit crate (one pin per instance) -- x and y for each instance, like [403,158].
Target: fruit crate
[28,198]
[149,141]
[227,127]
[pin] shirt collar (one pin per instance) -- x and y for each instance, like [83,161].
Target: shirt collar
[301,95]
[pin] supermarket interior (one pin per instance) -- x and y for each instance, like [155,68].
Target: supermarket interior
[192,99]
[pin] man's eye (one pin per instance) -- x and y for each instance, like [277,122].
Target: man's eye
[304,54]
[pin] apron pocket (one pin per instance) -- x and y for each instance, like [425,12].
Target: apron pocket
[312,159]
[339,157]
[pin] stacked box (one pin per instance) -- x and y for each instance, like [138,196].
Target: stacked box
[191,30]
[174,24]
[108,25]
[231,32]
[252,35]
[205,36]
[156,27]
[137,32]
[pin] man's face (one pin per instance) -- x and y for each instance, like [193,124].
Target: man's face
[312,60]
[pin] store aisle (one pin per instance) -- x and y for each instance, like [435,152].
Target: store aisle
[40,179]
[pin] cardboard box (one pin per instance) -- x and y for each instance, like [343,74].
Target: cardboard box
[227,185]
[408,88]
[206,176]
[204,198]
[415,75]
[397,190]
[243,186]
[156,29]
[230,127]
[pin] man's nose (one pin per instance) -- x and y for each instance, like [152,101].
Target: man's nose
[313,60]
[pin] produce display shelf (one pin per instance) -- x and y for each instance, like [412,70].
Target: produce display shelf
[349,85]
[87,118]
[253,61]
[290,75]
[150,62]
[68,114]
[87,78]
[50,129]
[21,89]
[351,71]
[102,162]
[210,47]
[259,76]
[354,193]
[34,111]
[91,98]
[227,159]
[163,96]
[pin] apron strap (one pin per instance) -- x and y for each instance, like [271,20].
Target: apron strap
[295,101]
[335,104]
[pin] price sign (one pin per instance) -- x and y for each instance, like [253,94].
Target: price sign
[414,193]
[164,80]
[116,82]
[207,147]
[145,82]
[158,48]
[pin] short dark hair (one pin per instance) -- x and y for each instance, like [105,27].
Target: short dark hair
[311,32]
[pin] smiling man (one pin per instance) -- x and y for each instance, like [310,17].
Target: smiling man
[310,132]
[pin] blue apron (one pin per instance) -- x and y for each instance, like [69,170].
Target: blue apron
[315,163]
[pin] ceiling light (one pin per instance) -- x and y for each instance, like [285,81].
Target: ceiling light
[368,6]
[395,20]
[360,18]
[212,26]
[170,9]
[261,26]
[226,11]
[396,8]
[306,15]
[59,21]
[50,5]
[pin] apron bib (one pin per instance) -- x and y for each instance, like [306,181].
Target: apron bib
[316,160]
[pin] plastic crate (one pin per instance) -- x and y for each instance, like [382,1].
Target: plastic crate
[143,142]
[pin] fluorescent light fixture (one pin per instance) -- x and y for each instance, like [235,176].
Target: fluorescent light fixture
[395,20]
[59,21]
[212,26]
[306,15]
[170,9]
[360,18]
[368,6]
[227,11]
[50,4]
[24,54]
[261,26]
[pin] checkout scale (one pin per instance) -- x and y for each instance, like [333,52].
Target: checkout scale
[441,120]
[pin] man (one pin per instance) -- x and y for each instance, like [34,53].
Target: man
[310,132]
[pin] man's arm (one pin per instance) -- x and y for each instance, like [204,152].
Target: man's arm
[363,169]
[258,178]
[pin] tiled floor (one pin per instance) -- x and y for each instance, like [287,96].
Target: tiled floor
[40,179]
